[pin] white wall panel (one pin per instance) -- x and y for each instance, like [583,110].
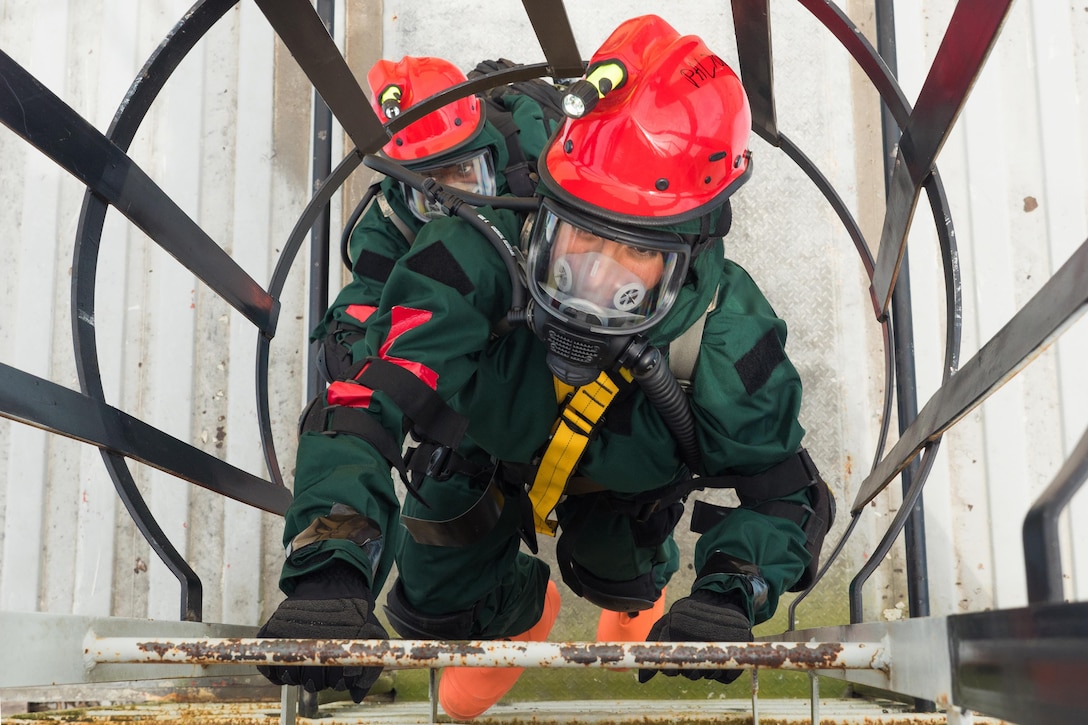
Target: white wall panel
[30,317]
[251,234]
[171,352]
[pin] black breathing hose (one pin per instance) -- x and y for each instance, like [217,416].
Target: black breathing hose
[663,390]
[345,238]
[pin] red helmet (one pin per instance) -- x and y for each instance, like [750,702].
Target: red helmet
[396,87]
[666,142]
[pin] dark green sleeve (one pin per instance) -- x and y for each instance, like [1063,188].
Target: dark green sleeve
[534,132]
[345,470]
[374,247]
[747,392]
[435,317]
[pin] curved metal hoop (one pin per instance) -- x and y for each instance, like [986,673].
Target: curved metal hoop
[92,217]
[754,43]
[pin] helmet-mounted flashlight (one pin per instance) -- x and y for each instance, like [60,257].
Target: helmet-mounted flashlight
[602,78]
[390,101]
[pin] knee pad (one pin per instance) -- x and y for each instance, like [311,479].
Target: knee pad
[633,595]
[816,528]
[334,357]
[411,623]
[333,360]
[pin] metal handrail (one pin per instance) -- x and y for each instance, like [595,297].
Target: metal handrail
[419,654]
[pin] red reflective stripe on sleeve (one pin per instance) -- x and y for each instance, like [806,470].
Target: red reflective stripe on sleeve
[352,395]
[361,312]
[421,371]
[405,319]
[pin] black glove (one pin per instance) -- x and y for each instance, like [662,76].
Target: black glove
[331,603]
[704,616]
[490,66]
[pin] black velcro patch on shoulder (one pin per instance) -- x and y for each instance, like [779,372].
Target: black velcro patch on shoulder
[436,262]
[373,266]
[756,365]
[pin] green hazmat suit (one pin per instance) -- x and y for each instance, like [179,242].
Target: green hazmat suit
[376,242]
[439,305]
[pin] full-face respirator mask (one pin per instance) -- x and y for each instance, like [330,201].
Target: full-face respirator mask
[595,285]
[473,172]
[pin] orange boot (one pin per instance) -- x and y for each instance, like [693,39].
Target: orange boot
[467,692]
[629,626]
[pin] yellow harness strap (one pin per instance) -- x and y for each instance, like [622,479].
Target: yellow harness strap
[578,419]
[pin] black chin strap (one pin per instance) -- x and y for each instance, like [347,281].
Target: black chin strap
[706,233]
[725,221]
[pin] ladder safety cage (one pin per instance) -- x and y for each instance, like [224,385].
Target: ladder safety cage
[997,661]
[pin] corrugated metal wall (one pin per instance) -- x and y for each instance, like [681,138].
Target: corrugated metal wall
[229,140]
